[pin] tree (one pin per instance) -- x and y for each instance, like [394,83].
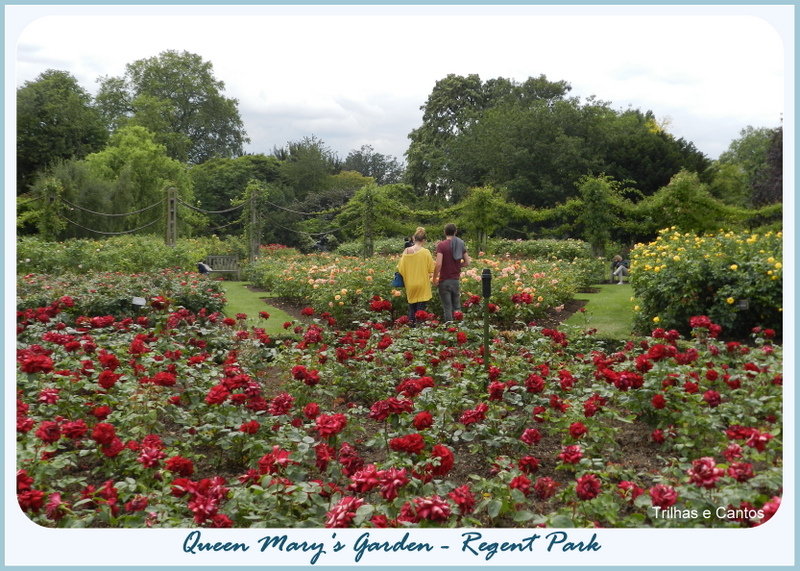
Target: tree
[306,166]
[141,172]
[176,96]
[384,169]
[597,216]
[768,185]
[636,149]
[455,105]
[56,120]
[219,182]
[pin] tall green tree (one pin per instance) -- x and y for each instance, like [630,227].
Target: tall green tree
[219,182]
[56,120]
[141,172]
[768,185]
[177,97]
[384,169]
[306,166]
[636,149]
[456,104]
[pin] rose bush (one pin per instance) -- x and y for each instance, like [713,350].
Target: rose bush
[734,279]
[345,287]
[177,418]
[111,293]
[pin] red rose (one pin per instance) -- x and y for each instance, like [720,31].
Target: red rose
[48,431]
[250,427]
[712,398]
[217,394]
[521,483]
[433,508]
[629,490]
[571,454]
[181,466]
[704,472]
[588,487]
[663,496]
[446,460]
[463,498]
[75,429]
[108,378]
[528,464]
[577,429]
[36,364]
[531,436]
[103,433]
[311,411]
[423,420]
[343,513]
[410,443]
[330,425]
[545,487]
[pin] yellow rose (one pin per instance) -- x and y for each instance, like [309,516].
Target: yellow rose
[734,267]
[656,319]
[730,300]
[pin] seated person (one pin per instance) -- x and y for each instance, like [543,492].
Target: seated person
[619,269]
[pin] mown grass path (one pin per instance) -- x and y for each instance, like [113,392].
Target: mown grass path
[609,310]
[243,300]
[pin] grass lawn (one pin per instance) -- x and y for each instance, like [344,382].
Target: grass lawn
[610,311]
[242,300]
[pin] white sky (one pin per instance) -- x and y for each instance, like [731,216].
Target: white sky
[359,74]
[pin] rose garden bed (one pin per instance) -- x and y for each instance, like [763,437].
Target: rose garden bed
[176,418]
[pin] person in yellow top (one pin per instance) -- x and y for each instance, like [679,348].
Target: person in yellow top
[416,266]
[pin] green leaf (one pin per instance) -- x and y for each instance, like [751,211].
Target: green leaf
[494,508]
[524,515]
[561,521]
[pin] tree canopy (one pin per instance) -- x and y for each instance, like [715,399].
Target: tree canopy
[56,120]
[533,140]
[176,96]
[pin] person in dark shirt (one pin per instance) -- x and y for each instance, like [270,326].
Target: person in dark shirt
[447,271]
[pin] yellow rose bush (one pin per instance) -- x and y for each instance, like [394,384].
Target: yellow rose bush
[735,279]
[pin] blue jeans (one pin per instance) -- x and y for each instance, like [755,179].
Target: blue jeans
[450,294]
[413,308]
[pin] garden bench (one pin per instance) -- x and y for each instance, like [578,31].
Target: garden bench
[224,264]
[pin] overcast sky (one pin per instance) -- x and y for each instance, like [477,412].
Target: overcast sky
[358,75]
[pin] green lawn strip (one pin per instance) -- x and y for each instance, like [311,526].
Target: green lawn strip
[242,300]
[610,311]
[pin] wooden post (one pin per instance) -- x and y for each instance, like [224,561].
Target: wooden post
[255,230]
[172,218]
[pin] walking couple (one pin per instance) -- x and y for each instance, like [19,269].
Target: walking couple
[417,267]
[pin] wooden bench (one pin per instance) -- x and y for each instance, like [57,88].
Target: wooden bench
[224,264]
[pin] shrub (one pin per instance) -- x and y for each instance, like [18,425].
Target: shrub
[127,254]
[107,293]
[735,279]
